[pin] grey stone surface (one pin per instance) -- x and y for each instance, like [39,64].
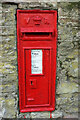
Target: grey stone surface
[40,114]
[67,60]
[24,115]
[57,114]
[38,5]
[19,1]
[67,0]
[8,64]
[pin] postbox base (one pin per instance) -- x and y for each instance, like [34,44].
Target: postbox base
[36,109]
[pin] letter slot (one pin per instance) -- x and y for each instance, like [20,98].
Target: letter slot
[36,36]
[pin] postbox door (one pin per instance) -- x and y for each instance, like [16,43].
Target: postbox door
[38,81]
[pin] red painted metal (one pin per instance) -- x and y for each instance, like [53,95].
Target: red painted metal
[50,114]
[36,30]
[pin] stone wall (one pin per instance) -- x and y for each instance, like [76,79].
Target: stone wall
[67,80]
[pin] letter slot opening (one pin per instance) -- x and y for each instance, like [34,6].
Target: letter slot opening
[36,36]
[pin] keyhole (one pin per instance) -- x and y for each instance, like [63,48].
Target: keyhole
[31,82]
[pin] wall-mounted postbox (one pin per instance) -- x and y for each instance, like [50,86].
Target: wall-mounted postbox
[36,45]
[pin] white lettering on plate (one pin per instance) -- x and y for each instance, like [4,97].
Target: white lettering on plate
[36,61]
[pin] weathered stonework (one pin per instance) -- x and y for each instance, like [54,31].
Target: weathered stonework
[20,1]
[67,60]
[8,66]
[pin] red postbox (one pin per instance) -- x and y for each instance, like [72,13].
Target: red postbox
[36,45]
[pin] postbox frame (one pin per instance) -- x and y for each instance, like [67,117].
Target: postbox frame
[22,104]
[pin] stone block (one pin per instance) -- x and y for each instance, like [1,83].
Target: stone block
[40,114]
[9,109]
[68,21]
[68,1]
[73,69]
[9,19]
[19,1]
[71,116]
[38,5]
[9,51]
[24,115]
[8,30]
[1,107]
[67,87]
[69,109]
[73,54]
[9,78]
[8,88]
[57,114]
[68,99]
